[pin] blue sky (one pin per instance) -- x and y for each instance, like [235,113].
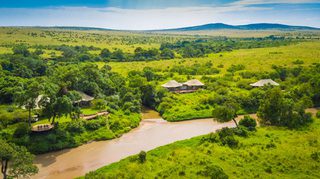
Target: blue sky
[156,14]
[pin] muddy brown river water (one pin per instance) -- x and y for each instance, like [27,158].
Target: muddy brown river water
[150,134]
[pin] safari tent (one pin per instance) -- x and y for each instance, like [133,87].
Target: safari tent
[264,82]
[172,85]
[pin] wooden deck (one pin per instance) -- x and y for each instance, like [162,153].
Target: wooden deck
[42,127]
[185,91]
[92,116]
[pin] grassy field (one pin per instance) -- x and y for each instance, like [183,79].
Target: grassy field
[271,152]
[260,59]
[127,41]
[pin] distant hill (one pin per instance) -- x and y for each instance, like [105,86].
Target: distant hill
[205,27]
[260,26]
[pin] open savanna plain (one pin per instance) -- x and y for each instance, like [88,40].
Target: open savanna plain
[58,76]
[256,60]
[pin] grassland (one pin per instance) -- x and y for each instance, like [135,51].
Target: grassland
[271,152]
[259,59]
[127,41]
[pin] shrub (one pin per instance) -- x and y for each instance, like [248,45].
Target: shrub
[99,104]
[95,124]
[241,131]
[213,171]
[315,156]
[230,141]
[227,137]
[75,126]
[142,156]
[318,114]
[212,137]
[22,130]
[248,122]
[224,132]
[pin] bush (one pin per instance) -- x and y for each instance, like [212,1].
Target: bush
[241,131]
[224,132]
[315,156]
[213,171]
[318,114]
[95,124]
[230,141]
[75,126]
[22,130]
[142,156]
[248,122]
[227,137]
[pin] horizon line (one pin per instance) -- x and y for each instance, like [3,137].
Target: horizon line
[175,28]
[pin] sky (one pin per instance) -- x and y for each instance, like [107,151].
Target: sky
[156,14]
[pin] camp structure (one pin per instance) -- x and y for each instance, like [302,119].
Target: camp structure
[264,82]
[42,127]
[172,85]
[85,99]
[187,87]
[193,84]
[37,102]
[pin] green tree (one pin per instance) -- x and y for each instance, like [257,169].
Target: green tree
[105,53]
[270,107]
[27,96]
[21,50]
[276,109]
[225,114]
[58,104]
[16,161]
[167,54]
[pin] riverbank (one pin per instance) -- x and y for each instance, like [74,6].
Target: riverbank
[150,134]
[271,152]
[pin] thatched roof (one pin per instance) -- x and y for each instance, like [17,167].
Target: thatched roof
[172,84]
[264,82]
[193,82]
[85,97]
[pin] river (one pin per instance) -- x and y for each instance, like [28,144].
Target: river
[151,133]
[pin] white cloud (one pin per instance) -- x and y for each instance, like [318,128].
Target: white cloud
[260,2]
[239,12]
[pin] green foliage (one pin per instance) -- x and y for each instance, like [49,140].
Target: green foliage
[105,53]
[16,161]
[248,122]
[21,50]
[22,129]
[99,104]
[276,109]
[142,156]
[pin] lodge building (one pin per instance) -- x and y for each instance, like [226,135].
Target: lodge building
[187,87]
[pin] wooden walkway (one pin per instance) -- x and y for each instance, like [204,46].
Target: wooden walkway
[42,127]
[92,116]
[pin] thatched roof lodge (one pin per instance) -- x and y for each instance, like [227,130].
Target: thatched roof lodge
[264,82]
[85,99]
[187,87]
[172,84]
[193,83]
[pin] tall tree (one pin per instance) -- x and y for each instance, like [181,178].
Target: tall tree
[225,114]
[27,96]
[16,161]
